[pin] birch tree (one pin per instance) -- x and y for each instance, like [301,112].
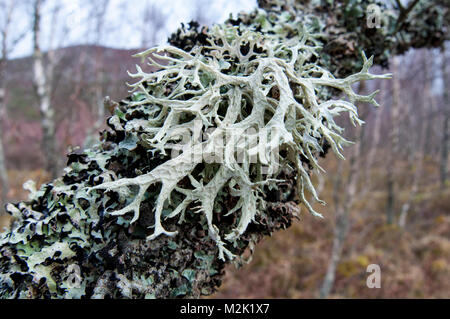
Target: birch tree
[392,153]
[344,196]
[445,144]
[138,223]
[375,140]
[419,140]
[153,21]
[200,12]
[42,79]
[8,41]
[97,15]
[7,9]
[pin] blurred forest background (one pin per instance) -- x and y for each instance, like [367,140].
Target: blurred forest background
[388,203]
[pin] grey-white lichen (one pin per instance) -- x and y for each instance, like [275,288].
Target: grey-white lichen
[195,91]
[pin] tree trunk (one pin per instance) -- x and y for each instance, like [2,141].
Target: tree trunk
[42,83]
[420,143]
[343,199]
[446,125]
[3,59]
[393,151]
[376,134]
[97,14]
[3,171]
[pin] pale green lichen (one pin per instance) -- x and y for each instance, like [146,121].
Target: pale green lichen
[297,119]
[264,104]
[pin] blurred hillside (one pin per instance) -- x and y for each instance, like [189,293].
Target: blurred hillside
[391,178]
[73,97]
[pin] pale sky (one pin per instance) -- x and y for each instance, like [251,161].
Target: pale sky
[124,19]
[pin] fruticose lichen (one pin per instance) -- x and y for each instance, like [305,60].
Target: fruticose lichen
[208,154]
[229,85]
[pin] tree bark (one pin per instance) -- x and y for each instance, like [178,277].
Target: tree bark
[393,152]
[420,143]
[344,198]
[97,14]
[3,171]
[445,144]
[43,86]
[5,37]
[375,140]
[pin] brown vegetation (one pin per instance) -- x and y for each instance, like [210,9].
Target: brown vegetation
[415,262]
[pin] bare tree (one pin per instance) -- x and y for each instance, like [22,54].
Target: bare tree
[8,41]
[153,21]
[43,78]
[446,123]
[344,195]
[418,140]
[97,13]
[343,200]
[7,9]
[375,140]
[200,12]
[394,143]
[430,115]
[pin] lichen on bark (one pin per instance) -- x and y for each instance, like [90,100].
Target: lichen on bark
[152,211]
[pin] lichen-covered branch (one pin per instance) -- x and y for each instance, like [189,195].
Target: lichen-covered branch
[382,28]
[208,154]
